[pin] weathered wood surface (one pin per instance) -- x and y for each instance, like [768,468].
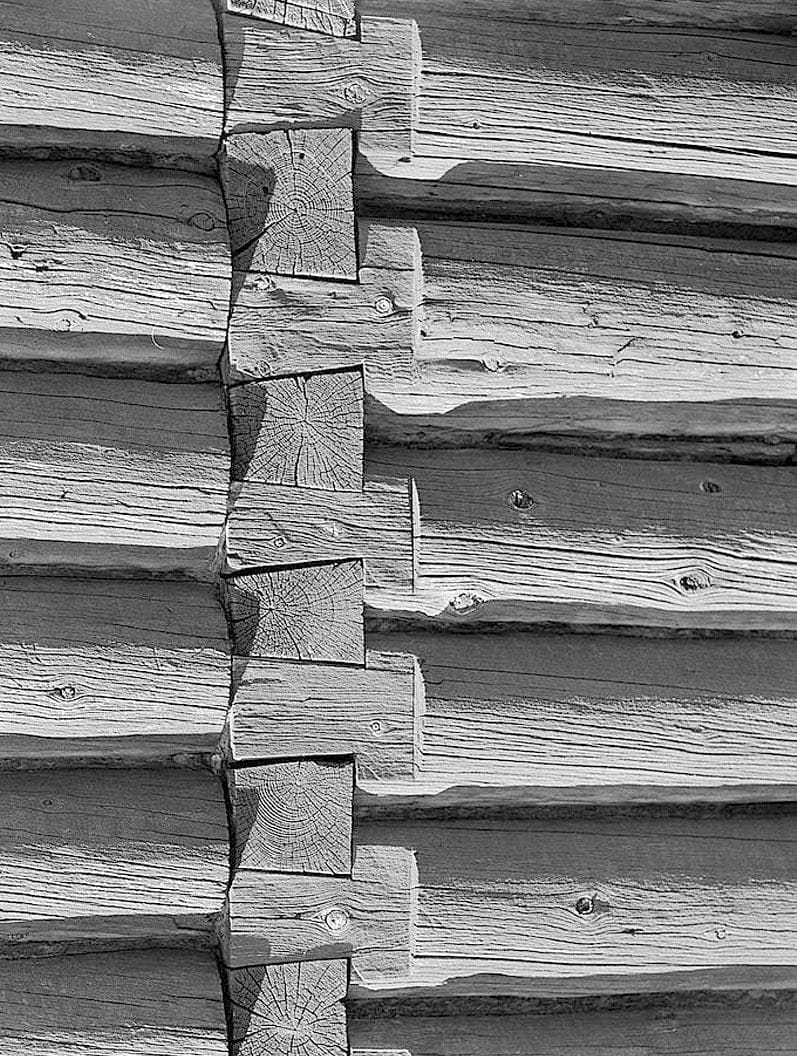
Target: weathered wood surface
[300,79]
[119,80]
[112,269]
[520,719]
[121,671]
[309,613]
[274,525]
[109,859]
[110,476]
[285,1009]
[293,817]
[768,1029]
[336,17]
[276,918]
[284,711]
[289,202]
[580,907]
[508,536]
[133,1003]
[306,431]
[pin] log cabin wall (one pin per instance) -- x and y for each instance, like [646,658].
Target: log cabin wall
[398,554]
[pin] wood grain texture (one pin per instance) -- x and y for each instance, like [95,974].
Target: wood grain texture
[123,671]
[302,430]
[293,817]
[336,17]
[519,719]
[515,538]
[597,907]
[99,859]
[285,1009]
[276,525]
[310,613]
[301,79]
[110,476]
[764,1030]
[285,325]
[284,710]
[289,202]
[369,917]
[112,269]
[112,79]
[134,1003]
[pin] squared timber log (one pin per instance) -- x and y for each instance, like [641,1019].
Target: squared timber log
[336,17]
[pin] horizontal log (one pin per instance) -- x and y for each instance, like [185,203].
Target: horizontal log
[763,1028]
[115,81]
[134,1002]
[513,720]
[506,537]
[110,476]
[105,860]
[122,671]
[112,269]
[569,908]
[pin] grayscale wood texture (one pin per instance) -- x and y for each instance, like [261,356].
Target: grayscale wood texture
[110,859]
[115,79]
[510,537]
[132,1003]
[538,719]
[112,269]
[575,907]
[285,1009]
[336,17]
[306,431]
[300,79]
[110,476]
[278,918]
[120,671]
[289,202]
[309,613]
[293,817]
[284,710]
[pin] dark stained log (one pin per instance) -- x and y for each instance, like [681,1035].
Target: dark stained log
[336,17]
[112,270]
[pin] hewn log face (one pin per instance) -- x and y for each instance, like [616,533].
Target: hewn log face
[112,269]
[506,538]
[335,17]
[110,476]
[123,671]
[519,719]
[136,1003]
[115,79]
[101,859]
[589,907]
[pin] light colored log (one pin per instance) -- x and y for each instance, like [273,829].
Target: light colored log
[310,613]
[101,859]
[133,1003]
[283,710]
[283,1009]
[764,1028]
[284,325]
[336,17]
[276,525]
[589,907]
[122,671]
[301,79]
[509,538]
[306,431]
[369,917]
[519,719]
[115,80]
[293,817]
[289,202]
[110,476]
[112,269]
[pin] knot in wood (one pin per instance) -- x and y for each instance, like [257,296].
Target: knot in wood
[465,602]
[84,174]
[376,727]
[383,305]
[585,905]
[520,499]
[694,581]
[204,221]
[336,919]
[710,487]
[68,692]
[491,364]
[355,92]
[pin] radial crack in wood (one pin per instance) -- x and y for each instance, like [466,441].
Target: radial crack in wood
[334,17]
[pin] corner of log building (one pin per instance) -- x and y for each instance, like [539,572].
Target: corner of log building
[398,568]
